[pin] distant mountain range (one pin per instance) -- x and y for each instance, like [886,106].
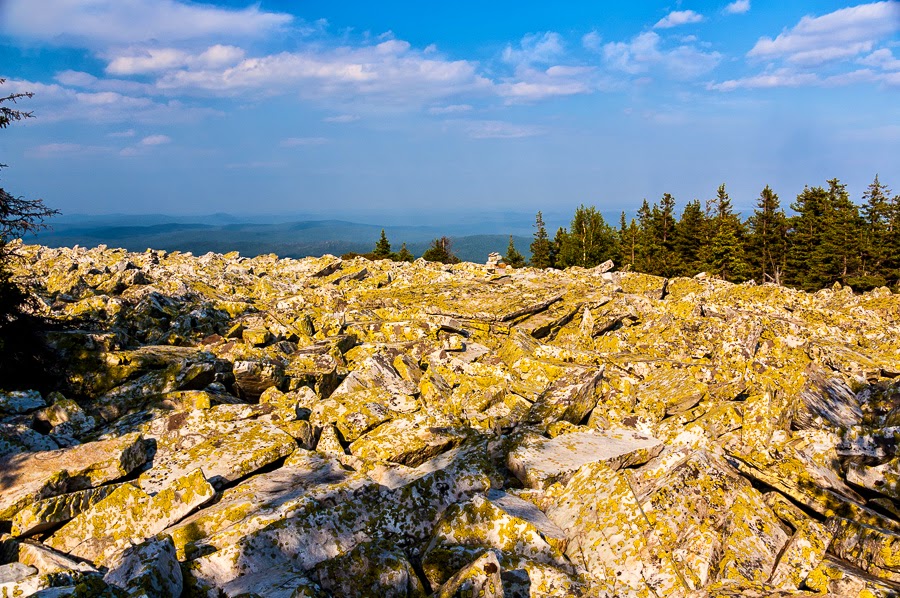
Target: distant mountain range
[222,233]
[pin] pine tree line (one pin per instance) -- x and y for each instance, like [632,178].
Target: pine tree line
[828,239]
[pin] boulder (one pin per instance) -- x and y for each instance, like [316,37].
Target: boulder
[20,401]
[147,569]
[50,512]
[129,515]
[539,462]
[30,477]
[479,578]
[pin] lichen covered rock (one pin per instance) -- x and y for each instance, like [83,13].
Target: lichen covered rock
[329,427]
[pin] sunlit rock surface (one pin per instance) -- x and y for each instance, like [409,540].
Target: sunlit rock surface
[320,427]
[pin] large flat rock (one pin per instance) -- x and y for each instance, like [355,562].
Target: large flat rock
[29,477]
[539,462]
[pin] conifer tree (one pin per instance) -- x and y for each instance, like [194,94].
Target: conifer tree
[843,240]
[805,268]
[726,250]
[404,255]
[513,258]
[441,251]
[556,248]
[891,266]
[648,248]
[690,232]
[767,238]
[876,250]
[382,248]
[540,247]
[628,241]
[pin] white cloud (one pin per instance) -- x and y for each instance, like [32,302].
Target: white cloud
[451,109]
[738,7]
[531,84]
[90,82]
[635,56]
[302,141]
[123,134]
[535,48]
[835,36]
[883,59]
[54,103]
[139,61]
[495,129]
[677,18]
[786,77]
[782,78]
[592,41]
[643,53]
[156,140]
[389,69]
[341,118]
[100,23]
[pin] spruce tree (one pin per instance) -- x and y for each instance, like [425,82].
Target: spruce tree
[767,238]
[628,242]
[805,267]
[382,248]
[441,251]
[404,255]
[876,250]
[690,232]
[648,249]
[540,247]
[843,240]
[556,248]
[513,258]
[890,269]
[726,250]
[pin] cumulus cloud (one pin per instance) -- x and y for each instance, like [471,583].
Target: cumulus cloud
[781,78]
[139,61]
[738,7]
[643,53]
[531,84]
[156,140]
[838,35]
[592,41]
[390,69]
[883,59]
[541,48]
[100,23]
[788,78]
[677,18]
[53,103]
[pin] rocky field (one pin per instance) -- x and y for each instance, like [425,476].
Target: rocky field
[318,427]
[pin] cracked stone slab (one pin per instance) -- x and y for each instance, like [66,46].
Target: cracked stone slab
[539,462]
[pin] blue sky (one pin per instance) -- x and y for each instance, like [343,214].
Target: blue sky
[374,109]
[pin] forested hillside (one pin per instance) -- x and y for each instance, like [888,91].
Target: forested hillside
[827,239]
